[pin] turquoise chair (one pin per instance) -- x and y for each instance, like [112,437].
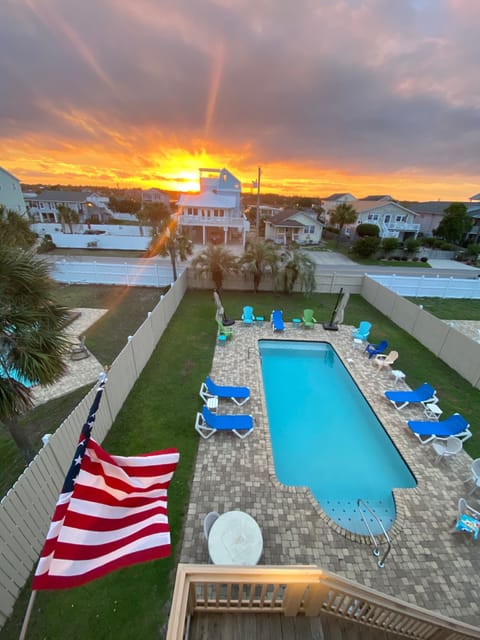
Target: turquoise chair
[247,315]
[362,331]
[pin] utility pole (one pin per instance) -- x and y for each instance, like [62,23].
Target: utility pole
[258,202]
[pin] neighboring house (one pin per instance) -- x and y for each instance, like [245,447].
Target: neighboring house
[11,196]
[90,206]
[430,214]
[294,225]
[214,214]
[373,198]
[393,219]
[155,195]
[265,211]
[473,211]
[333,200]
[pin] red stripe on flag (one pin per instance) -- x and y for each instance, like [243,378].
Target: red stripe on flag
[115,516]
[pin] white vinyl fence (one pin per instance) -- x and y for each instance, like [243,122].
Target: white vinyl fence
[133,274]
[430,287]
[457,350]
[26,510]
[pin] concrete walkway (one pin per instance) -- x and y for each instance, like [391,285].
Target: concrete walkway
[429,566]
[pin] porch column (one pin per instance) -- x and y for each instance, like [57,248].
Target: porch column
[225,235]
[203,233]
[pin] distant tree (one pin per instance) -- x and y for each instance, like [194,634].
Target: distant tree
[170,242]
[33,344]
[297,266]
[342,215]
[259,258]
[366,247]
[455,223]
[215,262]
[157,214]
[367,229]
[124,205]
[15,229]
[68,216]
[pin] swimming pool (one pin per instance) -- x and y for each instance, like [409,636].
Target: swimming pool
[325,435]
[16,376]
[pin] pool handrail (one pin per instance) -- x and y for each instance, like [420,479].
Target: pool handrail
[376,550]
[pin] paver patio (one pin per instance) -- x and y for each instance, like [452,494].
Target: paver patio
[429,565]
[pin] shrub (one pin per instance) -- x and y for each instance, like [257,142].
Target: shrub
[390,244]
[366,247]
[46,244]
[368,230]
[424,259]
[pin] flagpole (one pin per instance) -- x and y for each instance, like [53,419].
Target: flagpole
[28,613]
[258,203]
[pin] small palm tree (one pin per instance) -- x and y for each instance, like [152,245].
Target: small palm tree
[343,214]
[259,258]
[15,229]
[68,216]
[169,242]
[215,262]
[297,267]
[33,344]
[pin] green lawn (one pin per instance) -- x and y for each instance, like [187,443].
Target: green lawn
[160,413]
[97,253]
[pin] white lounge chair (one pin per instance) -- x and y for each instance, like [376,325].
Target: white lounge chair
[446,447]
[382,360]
[475,476]
[208,522]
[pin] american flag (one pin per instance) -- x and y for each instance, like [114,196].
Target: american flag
[111,513]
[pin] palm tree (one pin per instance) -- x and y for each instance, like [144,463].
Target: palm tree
[215,262]
[15,229]
[33,344]
[169,242]
[259,258]
[297,267]
[68,216]
[343,214]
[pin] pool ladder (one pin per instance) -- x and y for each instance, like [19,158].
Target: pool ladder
[376,550]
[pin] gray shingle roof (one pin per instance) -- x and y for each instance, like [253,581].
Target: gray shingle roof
[62,196]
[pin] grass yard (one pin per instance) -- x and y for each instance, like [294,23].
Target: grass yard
[98,253]
[160,413]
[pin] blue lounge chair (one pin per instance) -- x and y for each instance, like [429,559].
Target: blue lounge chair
[361,332]
[455,425]
[425,394]
[209,389]
[208,423]
[276,320]
[247,315]
[375,349]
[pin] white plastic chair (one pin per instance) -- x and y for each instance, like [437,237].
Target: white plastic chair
[208,522]
[382,360]
[475,476]
[468,519]
[446,447]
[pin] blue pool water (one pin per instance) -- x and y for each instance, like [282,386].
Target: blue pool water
[16,376]
[325,435]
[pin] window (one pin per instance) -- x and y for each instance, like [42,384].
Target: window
[387,218]
[372,216]
[309,230]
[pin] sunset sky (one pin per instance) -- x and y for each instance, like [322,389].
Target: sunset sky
[364,96]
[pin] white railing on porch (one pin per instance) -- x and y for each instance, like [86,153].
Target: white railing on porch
[300,590]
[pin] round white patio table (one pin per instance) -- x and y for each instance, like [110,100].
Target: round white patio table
[235,538]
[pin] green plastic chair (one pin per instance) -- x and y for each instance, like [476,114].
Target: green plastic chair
[308,319]
[224,331]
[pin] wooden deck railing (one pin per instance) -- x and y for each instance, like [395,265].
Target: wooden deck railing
[304,590]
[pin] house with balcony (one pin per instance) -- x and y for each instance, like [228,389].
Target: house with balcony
[333,200]
[393,219]
[294,225]
[215,213]
[43,207]
[11,196]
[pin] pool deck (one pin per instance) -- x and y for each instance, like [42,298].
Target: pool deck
[429,566]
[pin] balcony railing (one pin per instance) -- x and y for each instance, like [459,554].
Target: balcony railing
[304,590]
[224,221]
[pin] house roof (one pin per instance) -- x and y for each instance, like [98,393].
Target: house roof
[10,175]
[386,197]
[336,196]
[435,206]
[285,218]
[63,196]
[362,206]
[207,199]
[476,197]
